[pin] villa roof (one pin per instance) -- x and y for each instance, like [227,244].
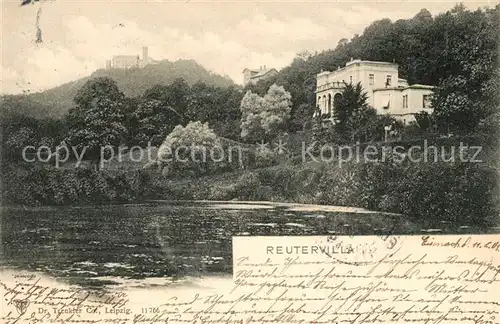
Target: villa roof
[263,72]
[251,70]
[369,62]
[348,64]
[413,86]
[421,86]
[389,88]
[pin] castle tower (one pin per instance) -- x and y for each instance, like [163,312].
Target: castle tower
[145,58]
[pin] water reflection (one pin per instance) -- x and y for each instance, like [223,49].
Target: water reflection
[163,240]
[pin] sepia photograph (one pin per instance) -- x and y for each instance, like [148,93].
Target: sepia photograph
[142,141]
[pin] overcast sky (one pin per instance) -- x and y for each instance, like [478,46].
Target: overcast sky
[225,37]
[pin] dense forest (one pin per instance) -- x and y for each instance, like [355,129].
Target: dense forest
[456,51]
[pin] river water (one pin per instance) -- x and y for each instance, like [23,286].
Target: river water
[96,245]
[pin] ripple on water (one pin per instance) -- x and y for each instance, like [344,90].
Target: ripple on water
[319,216]
[264,224]
[141,256]
[86,264]
[117,265]
[432,230]
[85,272]
[296,225]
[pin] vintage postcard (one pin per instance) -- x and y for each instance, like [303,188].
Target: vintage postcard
[249,162]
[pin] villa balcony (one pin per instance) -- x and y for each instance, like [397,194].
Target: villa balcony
[330,85]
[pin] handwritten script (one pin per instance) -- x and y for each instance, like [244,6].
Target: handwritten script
[364,279]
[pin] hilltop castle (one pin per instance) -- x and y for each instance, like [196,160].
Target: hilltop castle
[130,61]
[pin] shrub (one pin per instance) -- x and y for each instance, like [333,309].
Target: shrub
[265,157]
[187,149]
[340,186]
[38,185]
[461,193]
[247,186]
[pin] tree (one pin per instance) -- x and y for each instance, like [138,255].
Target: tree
[351,112]
[467,65]
[179,90]
[225,120]
[217,106]
[189,148]
[302,117]
[17,141]
[278,104]
[454,109]
[358,123]
[423,120]
[98,120]
[159,110]
[322,133]
[303,56]
[374,130]
[342,43]
[155,119]
[251,106]
[264,118]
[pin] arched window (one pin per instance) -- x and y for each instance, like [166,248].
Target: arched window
[336,99]
[324,105]
[329,104]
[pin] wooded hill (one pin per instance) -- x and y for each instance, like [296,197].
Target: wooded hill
[57,101]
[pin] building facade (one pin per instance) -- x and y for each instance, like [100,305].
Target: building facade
[125,61]
[130,61]
[386,92]
[253,76]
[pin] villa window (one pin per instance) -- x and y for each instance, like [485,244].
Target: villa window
[388,81]
[386,101]
[405,101]
[426,101]
[329,111]
[350,79]
[371,78]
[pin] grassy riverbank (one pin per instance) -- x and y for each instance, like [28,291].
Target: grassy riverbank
[464,193]
[451,193]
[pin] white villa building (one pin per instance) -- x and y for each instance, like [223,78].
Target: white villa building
[386,92]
